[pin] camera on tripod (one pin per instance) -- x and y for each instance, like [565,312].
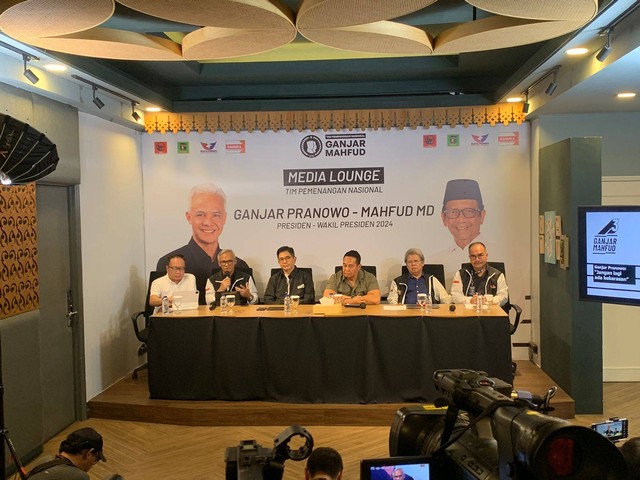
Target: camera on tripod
[251,461]
[484,434]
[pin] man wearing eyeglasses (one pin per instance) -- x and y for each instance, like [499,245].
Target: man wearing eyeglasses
[289,280]
[176,280]
[405,288]
[480,279]
[207,215]
[232,280]
[462,213]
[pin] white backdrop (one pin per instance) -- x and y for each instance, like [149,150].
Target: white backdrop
[381,220]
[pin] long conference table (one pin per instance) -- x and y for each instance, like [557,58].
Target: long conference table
[373,355]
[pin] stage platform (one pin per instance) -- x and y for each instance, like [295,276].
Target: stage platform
[129,400]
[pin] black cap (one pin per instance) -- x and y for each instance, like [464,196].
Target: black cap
[462,189]
[89,438]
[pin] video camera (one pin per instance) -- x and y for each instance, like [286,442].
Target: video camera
[484,434]
[250,461]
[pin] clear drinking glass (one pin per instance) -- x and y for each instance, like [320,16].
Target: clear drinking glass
[177,302]
[422,301]
[231,301]
[295,301]
[479,299]
[223,303]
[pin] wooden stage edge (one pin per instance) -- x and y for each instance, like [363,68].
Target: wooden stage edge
[129,400]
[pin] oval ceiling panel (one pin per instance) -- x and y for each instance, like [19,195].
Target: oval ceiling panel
[112,44]
[378,37]
[571,10]
[498,32]
[250,14]
[209,43]
[340,13]
[44,18]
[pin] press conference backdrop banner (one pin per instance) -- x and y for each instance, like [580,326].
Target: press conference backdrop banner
[324,193]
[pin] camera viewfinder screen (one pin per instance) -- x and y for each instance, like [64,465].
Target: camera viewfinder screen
[380,469]
[613,430]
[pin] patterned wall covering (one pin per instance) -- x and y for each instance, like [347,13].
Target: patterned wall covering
[19,282]
[504,113]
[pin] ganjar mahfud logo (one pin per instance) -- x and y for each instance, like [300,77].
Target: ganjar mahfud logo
[606,240]
[311,146]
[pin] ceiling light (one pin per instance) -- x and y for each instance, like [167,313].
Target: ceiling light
[577,51]
[96,100]
[134,114]
[32,77]
[514,99]
[153,109]
[55,67]
[626,94]
[606,50]
[551,88]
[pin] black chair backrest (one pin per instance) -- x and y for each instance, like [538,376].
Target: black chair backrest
[435,269]
[148,309]
[309,270]
[369,268]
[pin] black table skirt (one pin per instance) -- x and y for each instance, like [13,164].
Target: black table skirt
[366,359]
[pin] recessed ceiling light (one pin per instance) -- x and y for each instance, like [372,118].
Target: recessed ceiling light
[514,99]
[55,67]
[577,51]
[626,95]
[153,109]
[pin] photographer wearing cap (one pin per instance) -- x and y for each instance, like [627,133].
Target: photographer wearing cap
[78,453]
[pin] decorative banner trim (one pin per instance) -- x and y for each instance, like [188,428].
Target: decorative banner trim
[504,113]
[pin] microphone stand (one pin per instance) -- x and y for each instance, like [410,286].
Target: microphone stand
[4,433]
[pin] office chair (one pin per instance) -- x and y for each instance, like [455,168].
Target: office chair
[142,334]
[435,269]
[514,311]
[369,268]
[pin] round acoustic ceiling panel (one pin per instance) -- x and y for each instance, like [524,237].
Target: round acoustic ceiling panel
[340,13]
[378,37]
[209,43]
[498,32]
[571,10]
[251,14]
[112,44]
[46,18]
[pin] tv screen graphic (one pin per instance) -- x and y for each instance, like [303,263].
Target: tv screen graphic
[609,254]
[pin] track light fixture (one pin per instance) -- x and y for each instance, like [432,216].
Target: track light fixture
[32,77]
[525,105]
[604,52]
[99,103]
[96,100]
[553,85]
[134,114]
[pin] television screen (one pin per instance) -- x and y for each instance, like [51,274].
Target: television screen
[609,254]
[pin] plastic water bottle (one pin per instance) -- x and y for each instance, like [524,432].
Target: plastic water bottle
[165,305]
[479,304]
[287,303]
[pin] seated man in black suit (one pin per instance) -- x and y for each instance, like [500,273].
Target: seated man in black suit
[289,280]
[230,280]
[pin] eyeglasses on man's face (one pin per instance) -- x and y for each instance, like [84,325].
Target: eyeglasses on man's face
[225,262]
[285,259]
[177,269]
[479,256]
[466,213]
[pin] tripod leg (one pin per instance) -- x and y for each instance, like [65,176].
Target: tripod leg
[14,457]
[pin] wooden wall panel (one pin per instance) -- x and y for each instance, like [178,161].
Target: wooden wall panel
[18,250]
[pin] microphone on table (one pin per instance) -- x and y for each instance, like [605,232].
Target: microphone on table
[355,305]
[452,308]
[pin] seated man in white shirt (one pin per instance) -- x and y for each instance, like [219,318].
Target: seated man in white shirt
[480,279]
[176,280]
[405,288]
